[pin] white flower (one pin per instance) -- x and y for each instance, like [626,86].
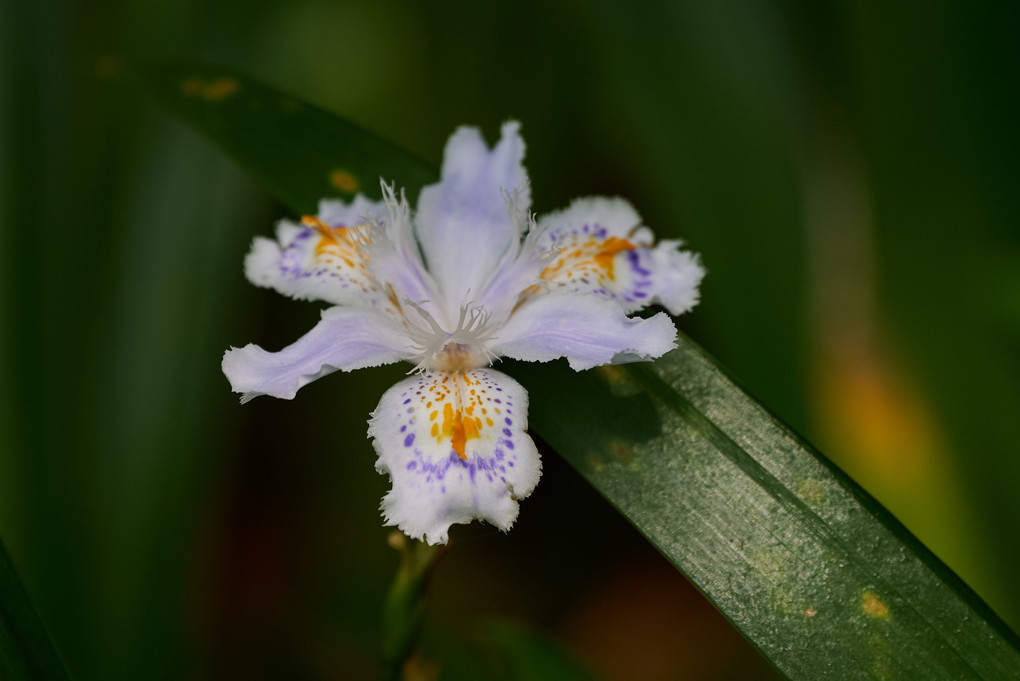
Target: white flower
[467,279]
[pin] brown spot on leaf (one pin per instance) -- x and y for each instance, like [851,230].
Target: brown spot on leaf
[343,180]
[219,89]
[872,606]
[611,373]
[810,490]
[621,451]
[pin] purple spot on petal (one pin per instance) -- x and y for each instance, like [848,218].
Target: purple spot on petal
[412,465]
[506,431]
[403,428]
[635,262]
[407,401]
[508,422]
[499,454]
[409,440]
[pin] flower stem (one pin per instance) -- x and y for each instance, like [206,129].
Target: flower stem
[404,611]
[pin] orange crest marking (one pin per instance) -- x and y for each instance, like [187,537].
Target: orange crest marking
[335,240]
[579,259]
[459,428]
[333,234]
[610,247]
[455,421]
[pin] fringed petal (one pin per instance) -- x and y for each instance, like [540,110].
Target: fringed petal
[587,330]
[464,223]
[602,249]
[320,258]
[455,448]
[345,339]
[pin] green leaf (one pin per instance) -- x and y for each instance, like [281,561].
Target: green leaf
[299,151]
[811,569]
[26,651]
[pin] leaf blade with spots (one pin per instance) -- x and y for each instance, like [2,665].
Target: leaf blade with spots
[300,152]
[811,569]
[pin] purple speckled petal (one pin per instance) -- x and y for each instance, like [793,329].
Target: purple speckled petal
[587,330]
[600,216]
[462,222]
[456,450]
[346,339]
[603,250]
[318,264]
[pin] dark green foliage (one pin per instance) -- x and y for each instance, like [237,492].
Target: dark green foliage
[813,571]
[26,652]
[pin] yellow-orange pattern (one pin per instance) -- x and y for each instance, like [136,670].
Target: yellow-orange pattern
[586,256]
[463,418]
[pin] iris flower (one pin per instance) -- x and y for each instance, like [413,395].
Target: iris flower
[469,277]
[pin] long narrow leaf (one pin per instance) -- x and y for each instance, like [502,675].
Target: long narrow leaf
[810,568]
[26,651]
[814,572]
[300,152]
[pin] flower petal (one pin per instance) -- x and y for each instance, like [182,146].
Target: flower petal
[611,216]
[455,448]
[339,213]
[604,250]
[587,330]
[319,260]
[463,221]
[393,259]
[676,275]
[345,339]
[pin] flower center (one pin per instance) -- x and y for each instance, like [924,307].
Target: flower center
[456,356]
[440,350]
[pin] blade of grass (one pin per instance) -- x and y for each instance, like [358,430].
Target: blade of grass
[814,572]
[26,651]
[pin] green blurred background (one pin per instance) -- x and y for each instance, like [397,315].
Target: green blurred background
[848,171]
